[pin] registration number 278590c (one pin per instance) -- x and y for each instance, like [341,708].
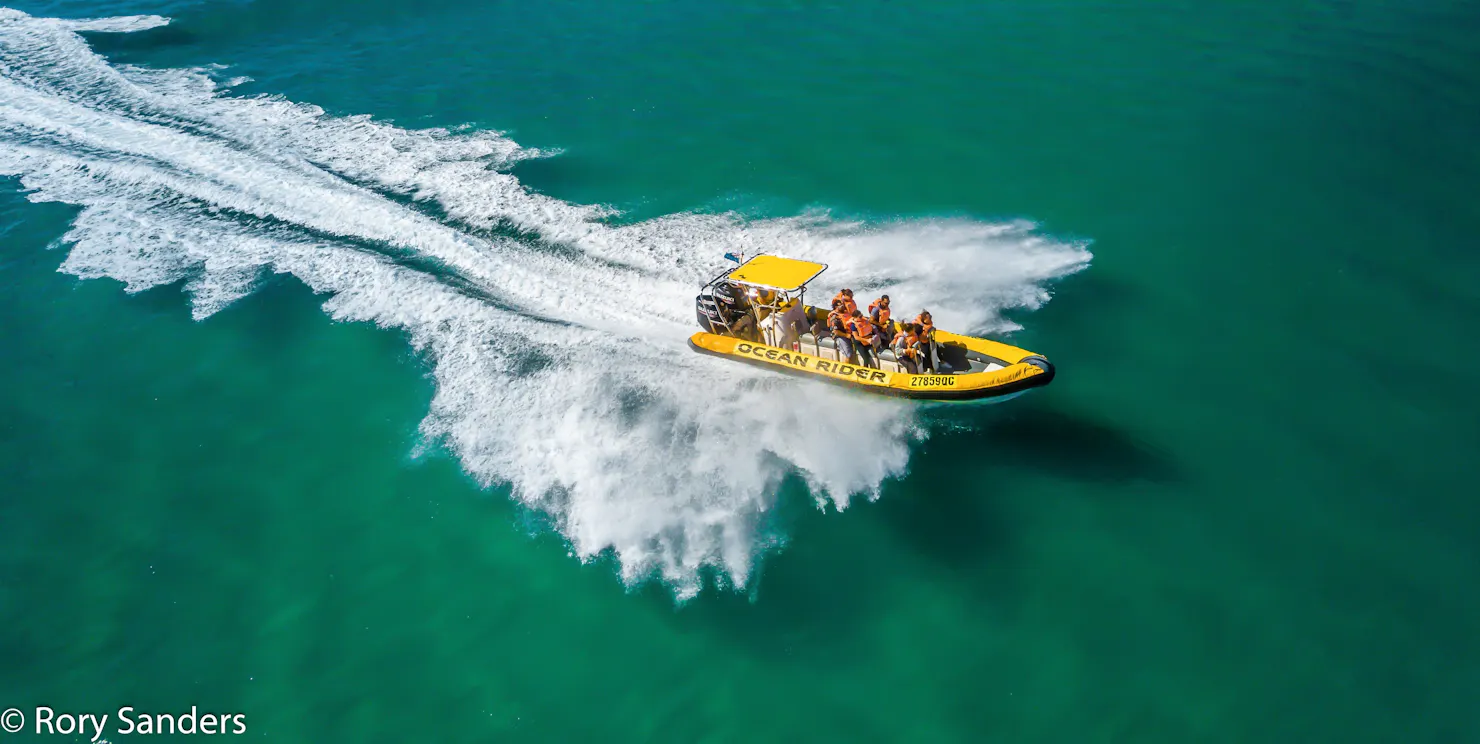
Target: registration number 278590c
[933,381]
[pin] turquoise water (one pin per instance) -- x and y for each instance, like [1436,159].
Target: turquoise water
[344,378]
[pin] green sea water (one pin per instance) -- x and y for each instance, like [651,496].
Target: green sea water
[316,419]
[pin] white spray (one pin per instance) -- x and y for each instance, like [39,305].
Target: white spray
[640,447]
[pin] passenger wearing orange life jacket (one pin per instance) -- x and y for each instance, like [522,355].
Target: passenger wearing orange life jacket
[925,330]
[846,297]
[878,312]
[865,338]
[907,348]
[837,327]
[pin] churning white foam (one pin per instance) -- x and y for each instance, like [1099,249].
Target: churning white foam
[666,458]
[116,24]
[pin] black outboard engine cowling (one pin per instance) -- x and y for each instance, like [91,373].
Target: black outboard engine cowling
[715,307]
[718,305]
[708,313]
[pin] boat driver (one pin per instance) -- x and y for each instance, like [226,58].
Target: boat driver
[734,309]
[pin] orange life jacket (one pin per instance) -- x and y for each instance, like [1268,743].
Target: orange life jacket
[863,330]
[926,328]
[908,345]
[837,324]
[848,304]
[881,310]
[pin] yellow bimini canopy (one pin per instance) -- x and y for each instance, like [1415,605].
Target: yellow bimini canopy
[775,272]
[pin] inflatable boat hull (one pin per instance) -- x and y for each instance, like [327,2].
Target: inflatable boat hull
[1006,371]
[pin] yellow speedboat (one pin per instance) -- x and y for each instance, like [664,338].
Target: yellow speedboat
[757,313]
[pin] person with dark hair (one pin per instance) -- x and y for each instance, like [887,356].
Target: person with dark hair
[907,348]
[842,336]
[878,312]
[865,338]
[925,331]
[846,297]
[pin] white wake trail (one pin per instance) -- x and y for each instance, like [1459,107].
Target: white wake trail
[116,24]
[560,361]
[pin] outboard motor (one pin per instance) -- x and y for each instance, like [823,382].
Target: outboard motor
[707,311]
[719,305]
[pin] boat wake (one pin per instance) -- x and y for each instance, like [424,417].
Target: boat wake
[555,335]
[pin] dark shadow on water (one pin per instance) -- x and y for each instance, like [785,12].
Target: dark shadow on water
[947,513]
[1084,323]
[968,485]
[956,509]
[1034,433]
[1089,293]
[806,599]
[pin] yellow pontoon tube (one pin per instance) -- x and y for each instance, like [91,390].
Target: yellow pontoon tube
[741,313]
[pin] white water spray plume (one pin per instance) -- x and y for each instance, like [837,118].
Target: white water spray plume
[664,458]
